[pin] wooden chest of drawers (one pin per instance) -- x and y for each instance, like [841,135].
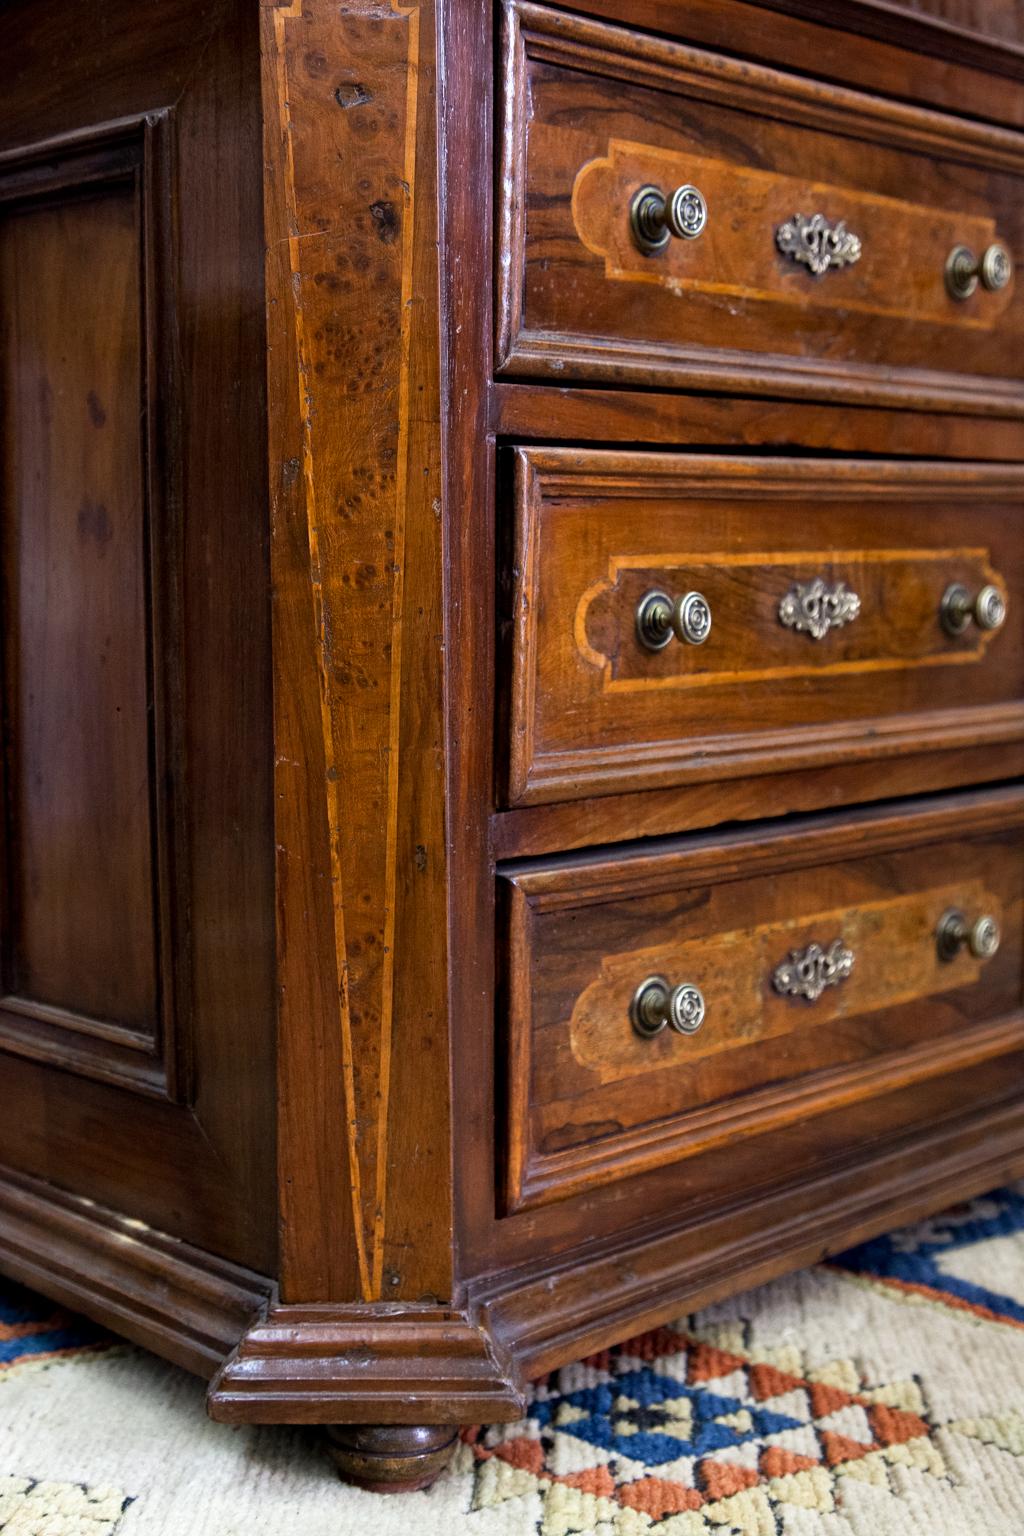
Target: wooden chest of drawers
[512,672]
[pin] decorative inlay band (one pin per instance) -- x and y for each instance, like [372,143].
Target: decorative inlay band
[809,971]
[814,607]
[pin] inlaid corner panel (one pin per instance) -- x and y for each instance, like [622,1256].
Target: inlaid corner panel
[675,217]
[676,618]
[93,971]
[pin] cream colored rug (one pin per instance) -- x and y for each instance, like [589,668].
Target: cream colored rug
[881,1395]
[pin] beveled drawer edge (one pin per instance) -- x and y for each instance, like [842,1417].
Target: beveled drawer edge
[560,1176]
[919,31]
[569,827]
[562,776]
[544,355]
[669,64]
[791,843]
[593,473]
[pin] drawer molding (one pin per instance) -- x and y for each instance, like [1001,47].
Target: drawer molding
[619,53]
[535,1176]
[538,36]
[661,1271]
[563,1175]
[561,675]
[584,878]
[419,1364]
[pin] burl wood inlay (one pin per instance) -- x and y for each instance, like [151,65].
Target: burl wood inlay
[736,256]
[896,627]
[356,476]
[895,961]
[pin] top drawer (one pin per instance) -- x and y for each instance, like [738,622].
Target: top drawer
[595,113]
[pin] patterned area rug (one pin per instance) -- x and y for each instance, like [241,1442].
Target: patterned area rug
[881,1394]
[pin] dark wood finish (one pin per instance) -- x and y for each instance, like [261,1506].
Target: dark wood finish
[415,1364]
[391,1458]
[885,45]
[591,1101]
[593,112]
[95,965]
[566,825]
[544,413]
[518,1324]
[972,31]
[164,1294]
[591,709]
[137,1023]
[557,1314]
[382,805]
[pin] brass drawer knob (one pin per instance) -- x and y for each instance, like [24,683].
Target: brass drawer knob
[656,1005]
[818,244]
[954,931]
[807,972]
[655,218]
[987,608]
[964,269]
[658,618]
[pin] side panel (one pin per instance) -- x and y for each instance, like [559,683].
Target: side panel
[137,1009]
[89,656]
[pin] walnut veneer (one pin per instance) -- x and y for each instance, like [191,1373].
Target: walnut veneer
[356,459]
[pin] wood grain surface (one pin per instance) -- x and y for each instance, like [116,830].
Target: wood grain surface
[355,477]
[584,934]
[137,1035]
[592,709]
[343,428]
[612,110]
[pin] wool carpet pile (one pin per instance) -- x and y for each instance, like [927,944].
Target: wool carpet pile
[881,1394]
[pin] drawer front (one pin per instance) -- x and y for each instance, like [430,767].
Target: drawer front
[825,585]
[820,961]
[766,298]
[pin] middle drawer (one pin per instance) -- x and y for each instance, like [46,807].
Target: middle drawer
[684,617]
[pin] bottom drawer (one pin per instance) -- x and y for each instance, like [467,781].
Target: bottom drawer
[670,999]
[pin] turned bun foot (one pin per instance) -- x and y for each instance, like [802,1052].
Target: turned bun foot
[391,1458]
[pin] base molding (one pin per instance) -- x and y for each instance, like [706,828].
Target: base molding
[427,1365]
[418,1365]
[550,1318]
[186,1305]
[383,1364]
